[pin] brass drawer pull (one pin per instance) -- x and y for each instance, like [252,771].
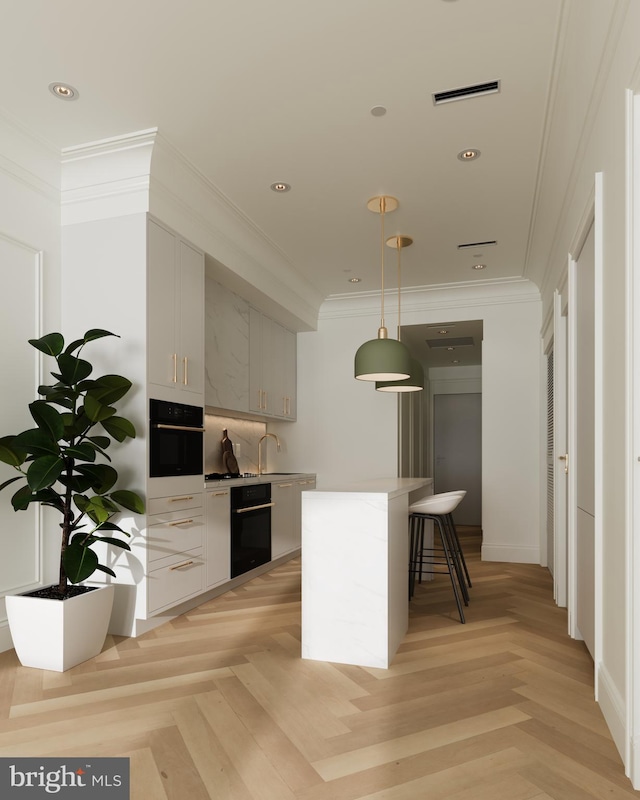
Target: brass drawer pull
[180,499]
[180,522]
[180,566]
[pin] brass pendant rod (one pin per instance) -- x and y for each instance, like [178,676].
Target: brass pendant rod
[383,206]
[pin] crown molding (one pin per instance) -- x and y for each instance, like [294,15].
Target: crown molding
[440,296]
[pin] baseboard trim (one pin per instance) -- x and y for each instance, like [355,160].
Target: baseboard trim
[514,554]
[613,709]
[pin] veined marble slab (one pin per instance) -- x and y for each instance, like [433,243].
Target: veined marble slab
[355,554]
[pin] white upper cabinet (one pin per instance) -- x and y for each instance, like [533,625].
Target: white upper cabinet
[226,348]
[175,285]
[272,367]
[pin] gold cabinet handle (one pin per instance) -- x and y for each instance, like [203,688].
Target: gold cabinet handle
[284,485]
[185,371]
[264,394]
[181,499]
[175,367]
[219,494]
[180,522]
[565,458]
[180,566]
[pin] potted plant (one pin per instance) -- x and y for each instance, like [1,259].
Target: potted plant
[61,466]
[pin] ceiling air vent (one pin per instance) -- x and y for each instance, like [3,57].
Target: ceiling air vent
[492,87]
[461,341]
[477,244]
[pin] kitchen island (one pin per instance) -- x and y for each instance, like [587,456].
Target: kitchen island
[355,555]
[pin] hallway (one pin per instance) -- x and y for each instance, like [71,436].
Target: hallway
[217,703]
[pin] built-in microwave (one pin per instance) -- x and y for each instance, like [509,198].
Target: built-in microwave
[176,439]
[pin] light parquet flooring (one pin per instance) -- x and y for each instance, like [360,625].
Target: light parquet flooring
[218,704]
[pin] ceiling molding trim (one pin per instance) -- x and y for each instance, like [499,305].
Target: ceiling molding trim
[427,298]
[35,163]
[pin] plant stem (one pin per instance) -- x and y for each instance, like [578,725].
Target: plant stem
[67,526]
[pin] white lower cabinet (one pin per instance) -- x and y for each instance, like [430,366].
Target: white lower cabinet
[282,523]
[218,537]
[175,557]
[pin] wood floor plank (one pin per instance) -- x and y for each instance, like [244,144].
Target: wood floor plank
[218,704]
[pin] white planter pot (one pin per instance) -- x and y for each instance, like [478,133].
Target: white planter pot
[58,634]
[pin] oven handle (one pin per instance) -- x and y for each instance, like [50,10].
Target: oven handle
[253,508]
[162,426]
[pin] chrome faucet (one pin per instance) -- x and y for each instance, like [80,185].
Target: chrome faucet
[262,438]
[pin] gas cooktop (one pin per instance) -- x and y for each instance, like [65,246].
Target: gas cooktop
[225,476]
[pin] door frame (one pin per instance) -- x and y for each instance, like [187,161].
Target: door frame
[560,448]
[593,216]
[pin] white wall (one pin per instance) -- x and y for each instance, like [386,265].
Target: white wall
[352,430]
[30,284]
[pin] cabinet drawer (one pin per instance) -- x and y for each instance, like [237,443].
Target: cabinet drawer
[164,505]
[168,537]
[177,581]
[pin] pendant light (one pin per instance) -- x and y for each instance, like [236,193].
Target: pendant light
[415,381]
[382,359]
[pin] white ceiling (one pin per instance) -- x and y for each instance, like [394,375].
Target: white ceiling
[253,92]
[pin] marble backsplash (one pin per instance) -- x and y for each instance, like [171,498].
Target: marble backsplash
[244,434]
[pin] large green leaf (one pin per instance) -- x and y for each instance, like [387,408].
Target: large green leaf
[102,476]
[114,542]
[102,568]
[44,472]
[47,419]
[36,441]
[21,499]
[109,389]
[77,483]
[99,509]
[51,344]
[79,562]
[61,397]
[72,369]
[119,427]
[98,333]
[10,453]
[95,410]
[129,500]
[82,452]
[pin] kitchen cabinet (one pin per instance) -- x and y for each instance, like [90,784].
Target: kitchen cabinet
[218,537]
[226,348]
[282,518]
[175,553]
[175,286]
[272,367]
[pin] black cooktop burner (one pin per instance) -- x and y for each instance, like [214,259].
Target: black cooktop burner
[220,476]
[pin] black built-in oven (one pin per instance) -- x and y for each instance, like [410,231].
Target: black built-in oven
[176,439]
[250,526]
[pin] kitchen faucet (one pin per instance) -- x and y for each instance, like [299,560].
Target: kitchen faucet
[262,438]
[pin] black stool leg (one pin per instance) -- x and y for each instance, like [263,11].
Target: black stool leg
[450,565]
[456,559]
[452,528]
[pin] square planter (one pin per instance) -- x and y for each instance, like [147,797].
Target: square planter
[59,634]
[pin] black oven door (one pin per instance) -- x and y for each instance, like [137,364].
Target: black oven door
[250,527]
[176,440]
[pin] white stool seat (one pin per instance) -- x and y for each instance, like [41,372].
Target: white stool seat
[440,504]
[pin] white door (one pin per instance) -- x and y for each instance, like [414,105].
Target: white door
[560,453]
[457,441]
[583,465]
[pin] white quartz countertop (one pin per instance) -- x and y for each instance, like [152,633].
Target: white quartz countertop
[392,487]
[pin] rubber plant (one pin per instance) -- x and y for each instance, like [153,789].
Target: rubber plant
[61,459]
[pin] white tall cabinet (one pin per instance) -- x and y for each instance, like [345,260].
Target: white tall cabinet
[147,286]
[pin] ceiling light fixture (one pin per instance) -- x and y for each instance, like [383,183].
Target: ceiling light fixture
[382,359]
[415,381]
[468,155]
[443,331]
[64,91]
[479,266]
[378,111]
[280,187]
[355,280]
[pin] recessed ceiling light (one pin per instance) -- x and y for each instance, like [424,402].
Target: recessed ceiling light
[468,155]
[455,361]
[378,111]
[280,187]
[64,91]
[451,348]
[443,330]
[355,280]
[479,266]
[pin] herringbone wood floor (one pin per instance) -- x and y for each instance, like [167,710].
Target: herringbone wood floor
[218,704]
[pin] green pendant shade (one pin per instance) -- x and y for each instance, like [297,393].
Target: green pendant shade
[414,383]
[382,360]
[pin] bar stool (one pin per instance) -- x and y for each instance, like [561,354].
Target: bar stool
[437,507]
[454,534]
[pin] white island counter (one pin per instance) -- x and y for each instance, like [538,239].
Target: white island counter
[355,555]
